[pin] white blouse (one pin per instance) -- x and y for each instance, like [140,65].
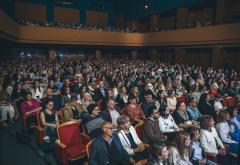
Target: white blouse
[210,141]
[171,103]
[224,132]
[175,159]
[167,124]
[126,143]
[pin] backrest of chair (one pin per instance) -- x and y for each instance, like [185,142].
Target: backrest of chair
[124,111]
[89,148]
[229,102]
[39,121]
[69,133]
[181,99]
[138,129]
[60,115]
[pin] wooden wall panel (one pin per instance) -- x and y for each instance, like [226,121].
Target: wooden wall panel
[96,18]
[167,23]
[120,22]
[197,58]
[66,15]
[30,11]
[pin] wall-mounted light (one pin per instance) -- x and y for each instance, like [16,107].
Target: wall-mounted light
[146,4]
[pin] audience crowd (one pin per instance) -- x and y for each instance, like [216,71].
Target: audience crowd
[74,26]
[126,29]
[175,106]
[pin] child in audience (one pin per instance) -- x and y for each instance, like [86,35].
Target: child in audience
[234,123]
[198,155]
[225,132]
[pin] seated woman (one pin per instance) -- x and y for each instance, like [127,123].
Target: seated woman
[130,140]
[180,150]
[198,155]
[86,101]
[225,131]
[93,120]
[171,101]
[134,111]
[161,101]
[50,121]
[122,97]
[182,117]
[30,107]
[72,110]
[160,154]
[210,141]
[204,105]
[167,124]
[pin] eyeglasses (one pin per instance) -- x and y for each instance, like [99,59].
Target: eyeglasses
[51,105]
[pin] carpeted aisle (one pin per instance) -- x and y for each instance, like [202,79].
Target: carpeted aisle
[17,149]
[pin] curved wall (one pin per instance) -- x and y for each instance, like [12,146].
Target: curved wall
[219,34]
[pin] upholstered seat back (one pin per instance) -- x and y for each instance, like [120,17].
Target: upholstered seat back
[69,134]
[138,129]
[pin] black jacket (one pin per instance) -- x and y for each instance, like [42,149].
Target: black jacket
[99,153]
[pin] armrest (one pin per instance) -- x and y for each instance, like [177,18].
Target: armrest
[85,138]
[60,152]
[61,145]
[211,157]
[146,145]
[226,146]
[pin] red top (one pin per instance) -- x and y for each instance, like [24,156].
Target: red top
[26,107]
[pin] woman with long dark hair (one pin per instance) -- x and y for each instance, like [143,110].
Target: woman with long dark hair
[205,106]
[180,151]
[160,154]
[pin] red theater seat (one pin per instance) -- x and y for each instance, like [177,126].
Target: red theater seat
[71,144]
[181,99]
[230,102]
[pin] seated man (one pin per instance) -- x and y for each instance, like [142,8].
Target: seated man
[111,113]
[107,149]
[193,110]
[151,130]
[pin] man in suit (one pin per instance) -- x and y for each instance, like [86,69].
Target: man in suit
[77,86]
[100,94]
[108,150]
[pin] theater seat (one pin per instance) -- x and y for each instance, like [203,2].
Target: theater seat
[89,148]
[230,102]
[181,99]
[39,130]
[138,129]
[71,144]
